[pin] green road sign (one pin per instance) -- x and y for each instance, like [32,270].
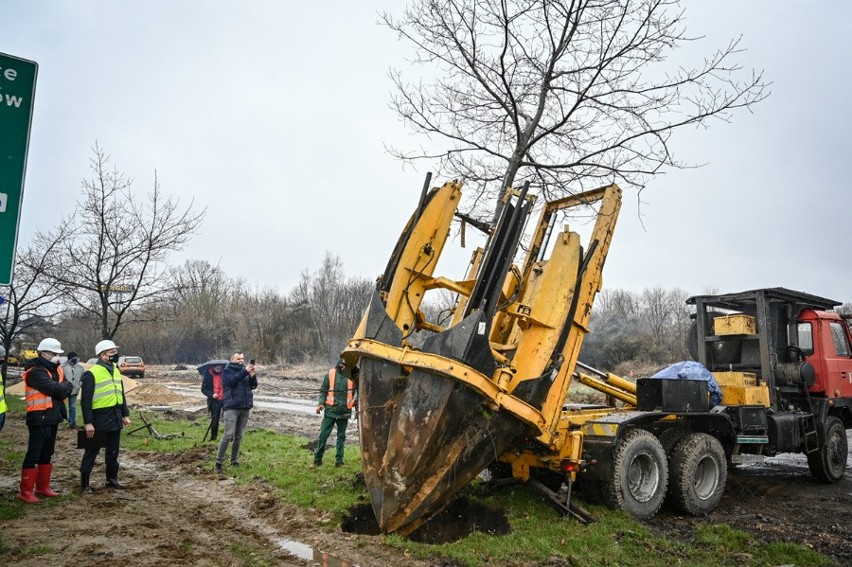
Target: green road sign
[17,89]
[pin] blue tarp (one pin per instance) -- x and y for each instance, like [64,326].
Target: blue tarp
[691,370]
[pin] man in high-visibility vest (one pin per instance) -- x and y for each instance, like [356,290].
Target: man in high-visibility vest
[45,389]
[3,406]
[104,410]
[337,397]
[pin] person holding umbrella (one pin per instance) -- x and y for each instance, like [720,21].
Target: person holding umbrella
[211,386]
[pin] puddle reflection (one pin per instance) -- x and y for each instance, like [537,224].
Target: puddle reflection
[308,553]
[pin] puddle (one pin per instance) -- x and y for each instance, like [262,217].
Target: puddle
[308,553]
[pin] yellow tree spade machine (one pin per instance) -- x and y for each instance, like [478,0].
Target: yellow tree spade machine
[490,384]
[490,388]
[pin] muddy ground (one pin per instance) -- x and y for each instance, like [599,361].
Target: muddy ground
[176,511]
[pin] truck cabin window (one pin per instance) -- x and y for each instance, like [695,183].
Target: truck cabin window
[841,346]
[806,338]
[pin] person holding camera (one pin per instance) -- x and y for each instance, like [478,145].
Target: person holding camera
[238,381]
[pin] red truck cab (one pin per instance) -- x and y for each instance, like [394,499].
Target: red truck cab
[826,342]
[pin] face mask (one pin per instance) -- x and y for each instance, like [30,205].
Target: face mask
[114,358]
[55,360]
[74,360]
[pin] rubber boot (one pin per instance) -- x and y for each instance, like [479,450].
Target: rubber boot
[28,480]
[43,481]
[112,478]
[85,488]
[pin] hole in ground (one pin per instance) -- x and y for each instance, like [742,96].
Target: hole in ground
[459,519]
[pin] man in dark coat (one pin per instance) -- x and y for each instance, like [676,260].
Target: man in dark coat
[44,390]
[211,386]
[238,381]
[104,412]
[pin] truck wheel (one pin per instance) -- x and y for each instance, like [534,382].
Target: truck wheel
[828,464]
[640,475]
[698,474]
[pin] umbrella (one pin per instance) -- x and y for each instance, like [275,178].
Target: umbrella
[206,366]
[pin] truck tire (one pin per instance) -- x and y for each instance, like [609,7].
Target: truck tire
[639,475]
[828,464]
[698,473]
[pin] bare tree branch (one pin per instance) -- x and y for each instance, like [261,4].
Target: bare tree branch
[568,94]
[109,254]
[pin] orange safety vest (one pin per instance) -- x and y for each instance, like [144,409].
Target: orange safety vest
[38,401]
[350,389]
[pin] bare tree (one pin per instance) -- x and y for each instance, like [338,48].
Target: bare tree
[336,303]
[30,299]
[657,311]
[111,251]
[565,94]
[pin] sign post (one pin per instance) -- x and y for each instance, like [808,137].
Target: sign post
[17,90]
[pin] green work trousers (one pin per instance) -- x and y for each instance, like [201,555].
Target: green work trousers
[325,431]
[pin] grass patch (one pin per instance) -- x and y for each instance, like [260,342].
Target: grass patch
[249,556]
[187,433]
[538,535]
[34,551]
[285,463]
[613,539]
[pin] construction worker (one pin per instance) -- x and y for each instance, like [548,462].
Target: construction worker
[3,406]
[337,398]
[104,411]
[45,389]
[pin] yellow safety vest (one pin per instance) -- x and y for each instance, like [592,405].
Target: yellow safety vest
[108,389]
[3,406]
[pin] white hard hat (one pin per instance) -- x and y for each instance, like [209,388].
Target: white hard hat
[104,345]
[50,345]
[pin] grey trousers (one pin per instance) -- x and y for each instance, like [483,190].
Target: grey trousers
[235,424]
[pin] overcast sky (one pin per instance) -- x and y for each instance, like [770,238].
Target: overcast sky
[273,116]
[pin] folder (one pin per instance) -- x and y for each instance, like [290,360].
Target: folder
[96,442]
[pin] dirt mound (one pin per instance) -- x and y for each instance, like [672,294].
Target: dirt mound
[155,394]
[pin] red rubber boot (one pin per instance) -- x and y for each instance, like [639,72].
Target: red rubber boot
[28,479]
[43,481]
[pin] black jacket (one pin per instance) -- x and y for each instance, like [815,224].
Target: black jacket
[104,419]
[238,386]
[39,378]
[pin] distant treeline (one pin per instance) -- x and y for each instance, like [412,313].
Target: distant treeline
[208,314]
